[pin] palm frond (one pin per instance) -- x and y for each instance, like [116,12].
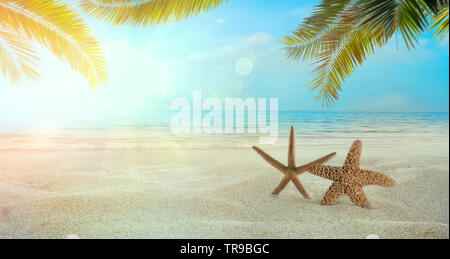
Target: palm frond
[389,16]
[341,34]
[440,24]
[435,6]
[17,58]
[305,41]
[60,29]
[146,12]
[347,49]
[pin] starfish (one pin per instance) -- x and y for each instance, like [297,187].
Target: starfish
[291,171]
[350,179]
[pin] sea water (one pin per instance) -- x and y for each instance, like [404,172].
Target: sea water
[151,129]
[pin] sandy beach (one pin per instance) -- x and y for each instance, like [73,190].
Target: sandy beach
[139,120]
[188,191]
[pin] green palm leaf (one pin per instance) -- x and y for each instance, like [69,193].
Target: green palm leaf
[17,59]
[306,40]
[60,29]
[435,6]
[440,24]
[389,16]
[146,12]
[339,36]
[345,52]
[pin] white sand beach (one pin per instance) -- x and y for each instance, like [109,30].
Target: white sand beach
[138,120]
[189,191]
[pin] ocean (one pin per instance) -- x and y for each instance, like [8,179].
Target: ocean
[144,129]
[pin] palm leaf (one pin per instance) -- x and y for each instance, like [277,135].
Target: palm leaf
[17,59]
[347,49]
[306,40]
[440,24]
[435,6]
[341,34]
[389,16]
[343,48]
[146,12]
[60,29]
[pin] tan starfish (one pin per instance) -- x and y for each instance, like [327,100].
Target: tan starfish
[291,171]
[350,179]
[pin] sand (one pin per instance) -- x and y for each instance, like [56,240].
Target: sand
[184,191]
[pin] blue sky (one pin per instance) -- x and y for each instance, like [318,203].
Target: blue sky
[150,67]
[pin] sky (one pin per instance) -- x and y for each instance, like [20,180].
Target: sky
[233,51]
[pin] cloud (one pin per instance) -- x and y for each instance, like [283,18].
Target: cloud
[397,53]
[390,102]
[214,71]
[246,46]
[303,11]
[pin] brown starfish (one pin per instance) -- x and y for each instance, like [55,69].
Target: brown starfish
[291,171]
[350,179]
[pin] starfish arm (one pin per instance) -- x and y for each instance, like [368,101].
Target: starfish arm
[300,187]
[353,156]
[335,191]
[330,172]
[284,181]
[322,160]
[291,150]
[358,197]
[368,177]
[275,163]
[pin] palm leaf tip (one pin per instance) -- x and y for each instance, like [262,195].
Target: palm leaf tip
[17,58]
[440,24]
[61,30]
[142,13]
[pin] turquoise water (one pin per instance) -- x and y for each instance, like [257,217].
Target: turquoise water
[366,122]
[150,129]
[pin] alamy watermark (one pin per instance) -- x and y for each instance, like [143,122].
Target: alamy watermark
[226,118]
